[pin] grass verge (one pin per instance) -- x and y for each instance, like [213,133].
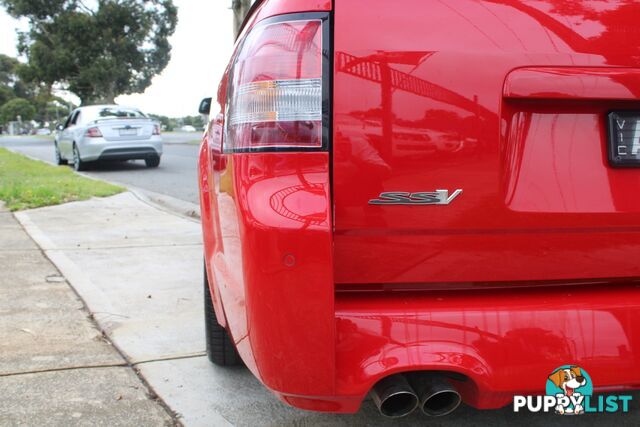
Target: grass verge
[27,184]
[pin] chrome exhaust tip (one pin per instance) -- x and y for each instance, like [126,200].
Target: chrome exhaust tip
[394,397]
[436,394]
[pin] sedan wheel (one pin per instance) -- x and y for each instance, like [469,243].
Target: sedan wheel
[152,162]
[78,164]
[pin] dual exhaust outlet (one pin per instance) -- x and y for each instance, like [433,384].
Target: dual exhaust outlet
[399,395]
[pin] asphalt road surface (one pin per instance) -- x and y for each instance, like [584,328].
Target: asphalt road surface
[176,176]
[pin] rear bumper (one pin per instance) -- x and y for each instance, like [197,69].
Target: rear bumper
[505,342]
[128,153]
[101,149]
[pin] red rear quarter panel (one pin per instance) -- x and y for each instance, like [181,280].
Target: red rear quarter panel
[267,232]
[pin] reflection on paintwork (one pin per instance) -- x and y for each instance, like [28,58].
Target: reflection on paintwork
[575,180]
[274,196]
[417,109]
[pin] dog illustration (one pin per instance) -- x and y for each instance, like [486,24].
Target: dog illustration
[568,379]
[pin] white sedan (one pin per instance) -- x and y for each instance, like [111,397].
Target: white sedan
[107,132]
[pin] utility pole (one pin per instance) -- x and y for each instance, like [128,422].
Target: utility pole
[240,9]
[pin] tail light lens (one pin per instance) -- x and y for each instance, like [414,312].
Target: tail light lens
[93,132]
[277,98]
[156,129]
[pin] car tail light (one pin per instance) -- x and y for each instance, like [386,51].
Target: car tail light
[93,132]
[156,129]
[278,91]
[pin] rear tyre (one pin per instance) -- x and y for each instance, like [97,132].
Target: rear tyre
[59,160]
[220,348]
[78,164]
[152,162]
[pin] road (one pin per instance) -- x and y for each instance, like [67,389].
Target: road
[176,176]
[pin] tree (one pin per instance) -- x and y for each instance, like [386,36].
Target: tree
[8,66]
[9,79]
[98,53]
[12,85]
[17,108]
[6,94]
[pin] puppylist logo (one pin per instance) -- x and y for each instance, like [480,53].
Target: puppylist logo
[570,392]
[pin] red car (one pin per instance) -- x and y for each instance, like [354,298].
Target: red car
[428,201]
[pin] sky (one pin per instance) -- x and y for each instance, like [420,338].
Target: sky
[201,47]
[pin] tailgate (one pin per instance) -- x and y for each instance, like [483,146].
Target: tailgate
[506,101]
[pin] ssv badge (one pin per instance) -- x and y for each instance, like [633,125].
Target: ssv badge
[438,197]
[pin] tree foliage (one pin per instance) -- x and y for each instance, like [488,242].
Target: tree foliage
[98,53]
[17,107]
[8,67]
[13,86]
[6,94]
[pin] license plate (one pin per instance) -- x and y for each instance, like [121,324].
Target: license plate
[624,139]
[128,132]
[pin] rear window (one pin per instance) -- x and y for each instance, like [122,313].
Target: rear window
[91,114]
[118,113]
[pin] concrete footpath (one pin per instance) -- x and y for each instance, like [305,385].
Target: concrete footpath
[56,367]
[139,271]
